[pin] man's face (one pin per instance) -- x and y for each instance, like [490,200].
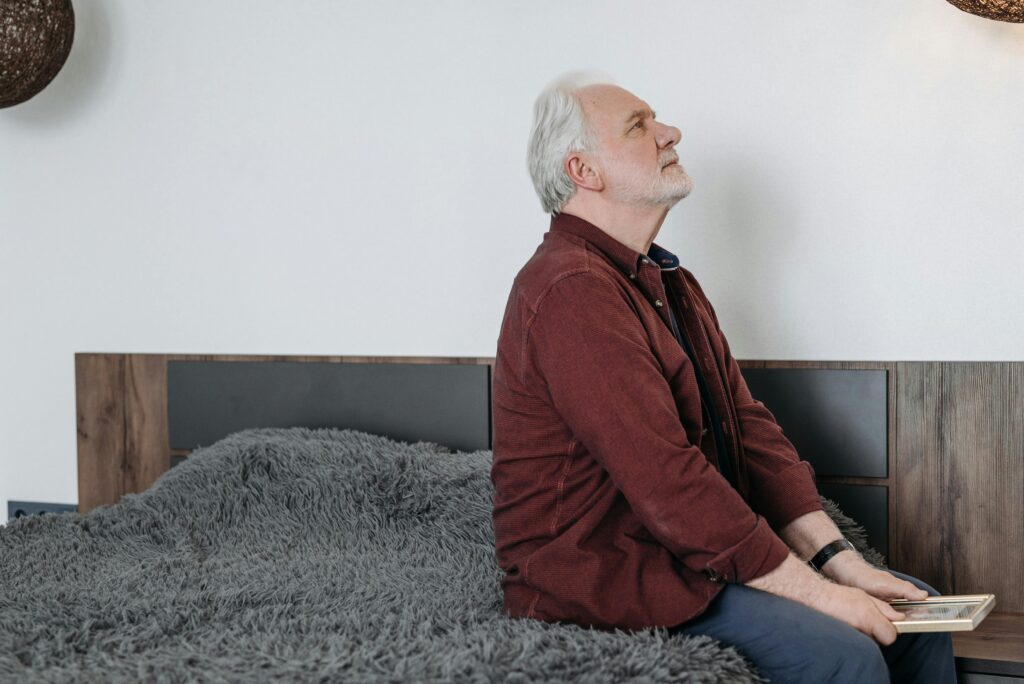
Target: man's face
[635,156]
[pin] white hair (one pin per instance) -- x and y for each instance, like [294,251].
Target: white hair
[559,127]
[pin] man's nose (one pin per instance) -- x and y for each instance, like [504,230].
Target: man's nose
[669,136]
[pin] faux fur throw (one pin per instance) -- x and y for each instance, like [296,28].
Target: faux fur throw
[305,555]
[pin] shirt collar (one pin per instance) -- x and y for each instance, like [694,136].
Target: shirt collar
[623,256]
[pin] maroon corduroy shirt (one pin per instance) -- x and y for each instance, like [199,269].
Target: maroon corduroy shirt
[609,509]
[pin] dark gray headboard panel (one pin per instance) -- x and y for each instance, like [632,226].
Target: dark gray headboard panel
[444,403]
[866,504]
[836,419]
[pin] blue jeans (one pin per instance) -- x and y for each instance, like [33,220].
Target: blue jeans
[789,642]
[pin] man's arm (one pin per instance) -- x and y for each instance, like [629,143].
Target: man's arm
[588,346]
[782,486]
[795,580]
[808,533]
[783,489]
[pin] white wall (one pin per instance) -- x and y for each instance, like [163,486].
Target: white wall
[349,178]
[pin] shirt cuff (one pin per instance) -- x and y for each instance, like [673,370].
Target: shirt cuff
[786,495]
[756,554]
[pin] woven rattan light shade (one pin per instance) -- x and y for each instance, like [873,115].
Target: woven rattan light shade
[1003,10]
[35,39]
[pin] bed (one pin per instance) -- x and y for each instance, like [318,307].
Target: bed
[309,518]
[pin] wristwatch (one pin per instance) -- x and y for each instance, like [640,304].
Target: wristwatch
[825,554]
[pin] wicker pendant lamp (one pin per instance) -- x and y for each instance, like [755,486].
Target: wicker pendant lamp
[1001,10]
[35,39]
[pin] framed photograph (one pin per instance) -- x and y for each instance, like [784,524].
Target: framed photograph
[943,613]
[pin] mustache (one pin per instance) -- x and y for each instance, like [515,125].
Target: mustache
[669,160]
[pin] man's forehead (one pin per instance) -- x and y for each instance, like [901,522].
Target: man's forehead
[615,103]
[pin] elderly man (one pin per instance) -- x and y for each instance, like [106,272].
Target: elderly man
[637,482]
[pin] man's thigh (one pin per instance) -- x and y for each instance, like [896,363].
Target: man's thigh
[787,641]
[921,656]
[932,591]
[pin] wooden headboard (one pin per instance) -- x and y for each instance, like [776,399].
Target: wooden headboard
[139,414]
[928,456]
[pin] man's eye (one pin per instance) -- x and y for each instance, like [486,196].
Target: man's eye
[638,123]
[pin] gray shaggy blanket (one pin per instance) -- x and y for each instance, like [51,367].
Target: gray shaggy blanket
[306,555]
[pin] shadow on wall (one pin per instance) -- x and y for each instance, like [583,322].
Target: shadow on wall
[78,82]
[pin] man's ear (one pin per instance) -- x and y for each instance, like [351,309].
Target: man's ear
[582,173]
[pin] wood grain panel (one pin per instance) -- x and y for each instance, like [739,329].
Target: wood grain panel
[961,478]
[918,548]
[999,636]
[984,479]
[145,400]
[99,408]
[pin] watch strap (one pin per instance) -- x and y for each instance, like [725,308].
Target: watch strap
[828,551]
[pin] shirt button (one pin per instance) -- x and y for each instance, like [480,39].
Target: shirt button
[657,303]
[632,276]
[704,431]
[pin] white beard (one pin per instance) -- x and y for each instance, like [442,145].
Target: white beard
[665,189]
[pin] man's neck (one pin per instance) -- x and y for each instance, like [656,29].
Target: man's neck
[633,226]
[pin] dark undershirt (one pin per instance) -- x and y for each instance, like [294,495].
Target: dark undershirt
[711,416]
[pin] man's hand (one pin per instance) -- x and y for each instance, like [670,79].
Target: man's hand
[850,569]
[848,589]
[794,580]
[862,612]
